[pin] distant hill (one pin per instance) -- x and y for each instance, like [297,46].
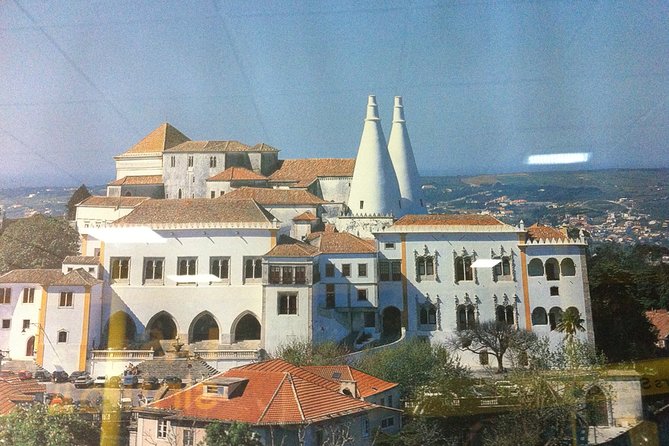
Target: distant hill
[21,202]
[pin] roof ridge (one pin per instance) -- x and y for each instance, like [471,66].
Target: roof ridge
[271,400]
[297,398]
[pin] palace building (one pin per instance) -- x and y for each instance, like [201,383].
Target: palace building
[222,250]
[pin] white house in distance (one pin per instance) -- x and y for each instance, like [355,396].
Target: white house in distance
[310,249]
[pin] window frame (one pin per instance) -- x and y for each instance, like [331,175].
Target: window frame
[26,324]
[329,269]
[218,271]
[463,269]
[189,271]
[255,269]
[362,295]
[426,268]
[66,299]
[162,427]
[62,333]
[6,326]
[287,304]
[346,270]
[154,280]
[330,295]
[28,295]
[362,270]
[119,273]
[5,296]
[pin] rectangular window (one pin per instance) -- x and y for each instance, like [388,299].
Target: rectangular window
[189,437]
[274,274]
[173,161]
[62,337]
[362,270]
[365,427]
[329,270]
[153,270]
[26,324]
[362,294]
[220,267]
[370,320]
[162,429]
[384,271]
[425,267]
[346,270]
[287,275]
[253,268]
[5,295]
[300,274]
[190,160]
[387,422]
[390,401]
[396,270]
[213,194]
[555,291]
[65,299]
[28,295]
[6,323]
[329,295]
[389,245]
[287,303]
[463,268]
[120,269]
[187,266]
[212,161]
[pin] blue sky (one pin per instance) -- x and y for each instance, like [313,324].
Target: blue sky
[485,84]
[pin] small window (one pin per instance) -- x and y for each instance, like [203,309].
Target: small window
[120,269]
[180,194]
[387,422]
[301,275]
[190,160]
[212,161]
[365,427]
[219,267]
[535,268]
[425,268]
[173,161]
[555,291]
[552,270]
[153,270]
[28,295]
[483,358]
[567,267]
[66,299]
[362,204]
[329,295]
[463,269]
[274,274]
[390,401]
[362,270]
[213,194]
[287,275]
[329,270]
[503,269]
[253,268]
[346,270]
[287,303]
[6,323]
[384,271]
[162,429]
[5,295]
[539,316]
[26,324]
[505,314]
[362,294]
[189,437]
[370,320]
[187,266]
[389,245]
[396,270]
[466,317]
[554,317]
[62,337]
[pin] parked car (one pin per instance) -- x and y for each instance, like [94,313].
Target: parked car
[77,374]
[130,381]
[42,376]
[83,381]
[100,381]
[24,374]
[113,381]
[59,376]
[172,382]
[150,383]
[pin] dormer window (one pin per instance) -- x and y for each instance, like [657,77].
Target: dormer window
[226,388]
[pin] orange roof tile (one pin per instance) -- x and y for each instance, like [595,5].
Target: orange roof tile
[44,277]
[289,247]
[162,138]
[305,216]
[81,260]
[265,196]
[77,277]
[112,202]
[367,385]
[660,319]
[537,232]
[13,390]
[303,172]
[237,174]
[219,146]
[341,243]
[139,179]
[448,219]
[196,211]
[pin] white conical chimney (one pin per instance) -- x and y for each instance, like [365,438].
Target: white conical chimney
[374,189]
[404,163]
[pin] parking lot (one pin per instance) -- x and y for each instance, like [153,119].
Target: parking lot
[96,395]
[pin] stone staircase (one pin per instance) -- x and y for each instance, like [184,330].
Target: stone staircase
[161,368]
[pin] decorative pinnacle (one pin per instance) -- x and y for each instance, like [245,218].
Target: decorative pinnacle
[398,112]
[372,110]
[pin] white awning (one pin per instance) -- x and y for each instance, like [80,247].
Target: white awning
[126,235]
[485,263]
[195,278]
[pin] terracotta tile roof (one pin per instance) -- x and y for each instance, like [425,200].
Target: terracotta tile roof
[139,179]
[367,385]
[305,216]
[660,319]
[537,232]
[77,277]
[163,137]
[219,146]
[44,277]
[270,395]
[195,211]
[303,172]
[341,243]
[289,247]
[265,196]
[13,391]
[237,174]
[81,260]
[112,202]
[448,219]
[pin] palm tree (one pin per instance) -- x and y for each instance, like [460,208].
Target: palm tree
[571,323]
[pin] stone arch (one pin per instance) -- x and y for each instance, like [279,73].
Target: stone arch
[567,267]
[535,268]
[162,326]
[204,327]
[555,317]
[539,316]
[30,346]
[391,322]
[596,407]
[246,328]
[120,330]
[552,269]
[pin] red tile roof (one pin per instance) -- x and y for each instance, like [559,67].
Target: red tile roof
[537,232]
[303,172]
[237,174]
[265,196]
[289,247]
[341,243]
[660,319]
[195,211]
[81,260]
[163,137]
[448,219]
[275,393]
[112,202]
[139,179]
[367,385]
[77,277]
[219,146]
[44,277]
[13,391]
[305,216]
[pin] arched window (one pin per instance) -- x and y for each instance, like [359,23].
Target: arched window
[554,317]
[567,267]
[423,315]
[552,269]
[425,268]
[502,270]
[505,313]
[539,316]
[466,317]
[428,315]
[596,407]
[463,268]
[535,268]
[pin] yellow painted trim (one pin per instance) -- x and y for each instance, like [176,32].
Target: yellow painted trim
[405,292]
[526,286]
[40,328]
[84,328]
[272,238]
[84,240]
[102,253]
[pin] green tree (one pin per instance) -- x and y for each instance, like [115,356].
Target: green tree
[235,434]
[37,242]
[299,352]
[571,323]
[77,197]
[40,425]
